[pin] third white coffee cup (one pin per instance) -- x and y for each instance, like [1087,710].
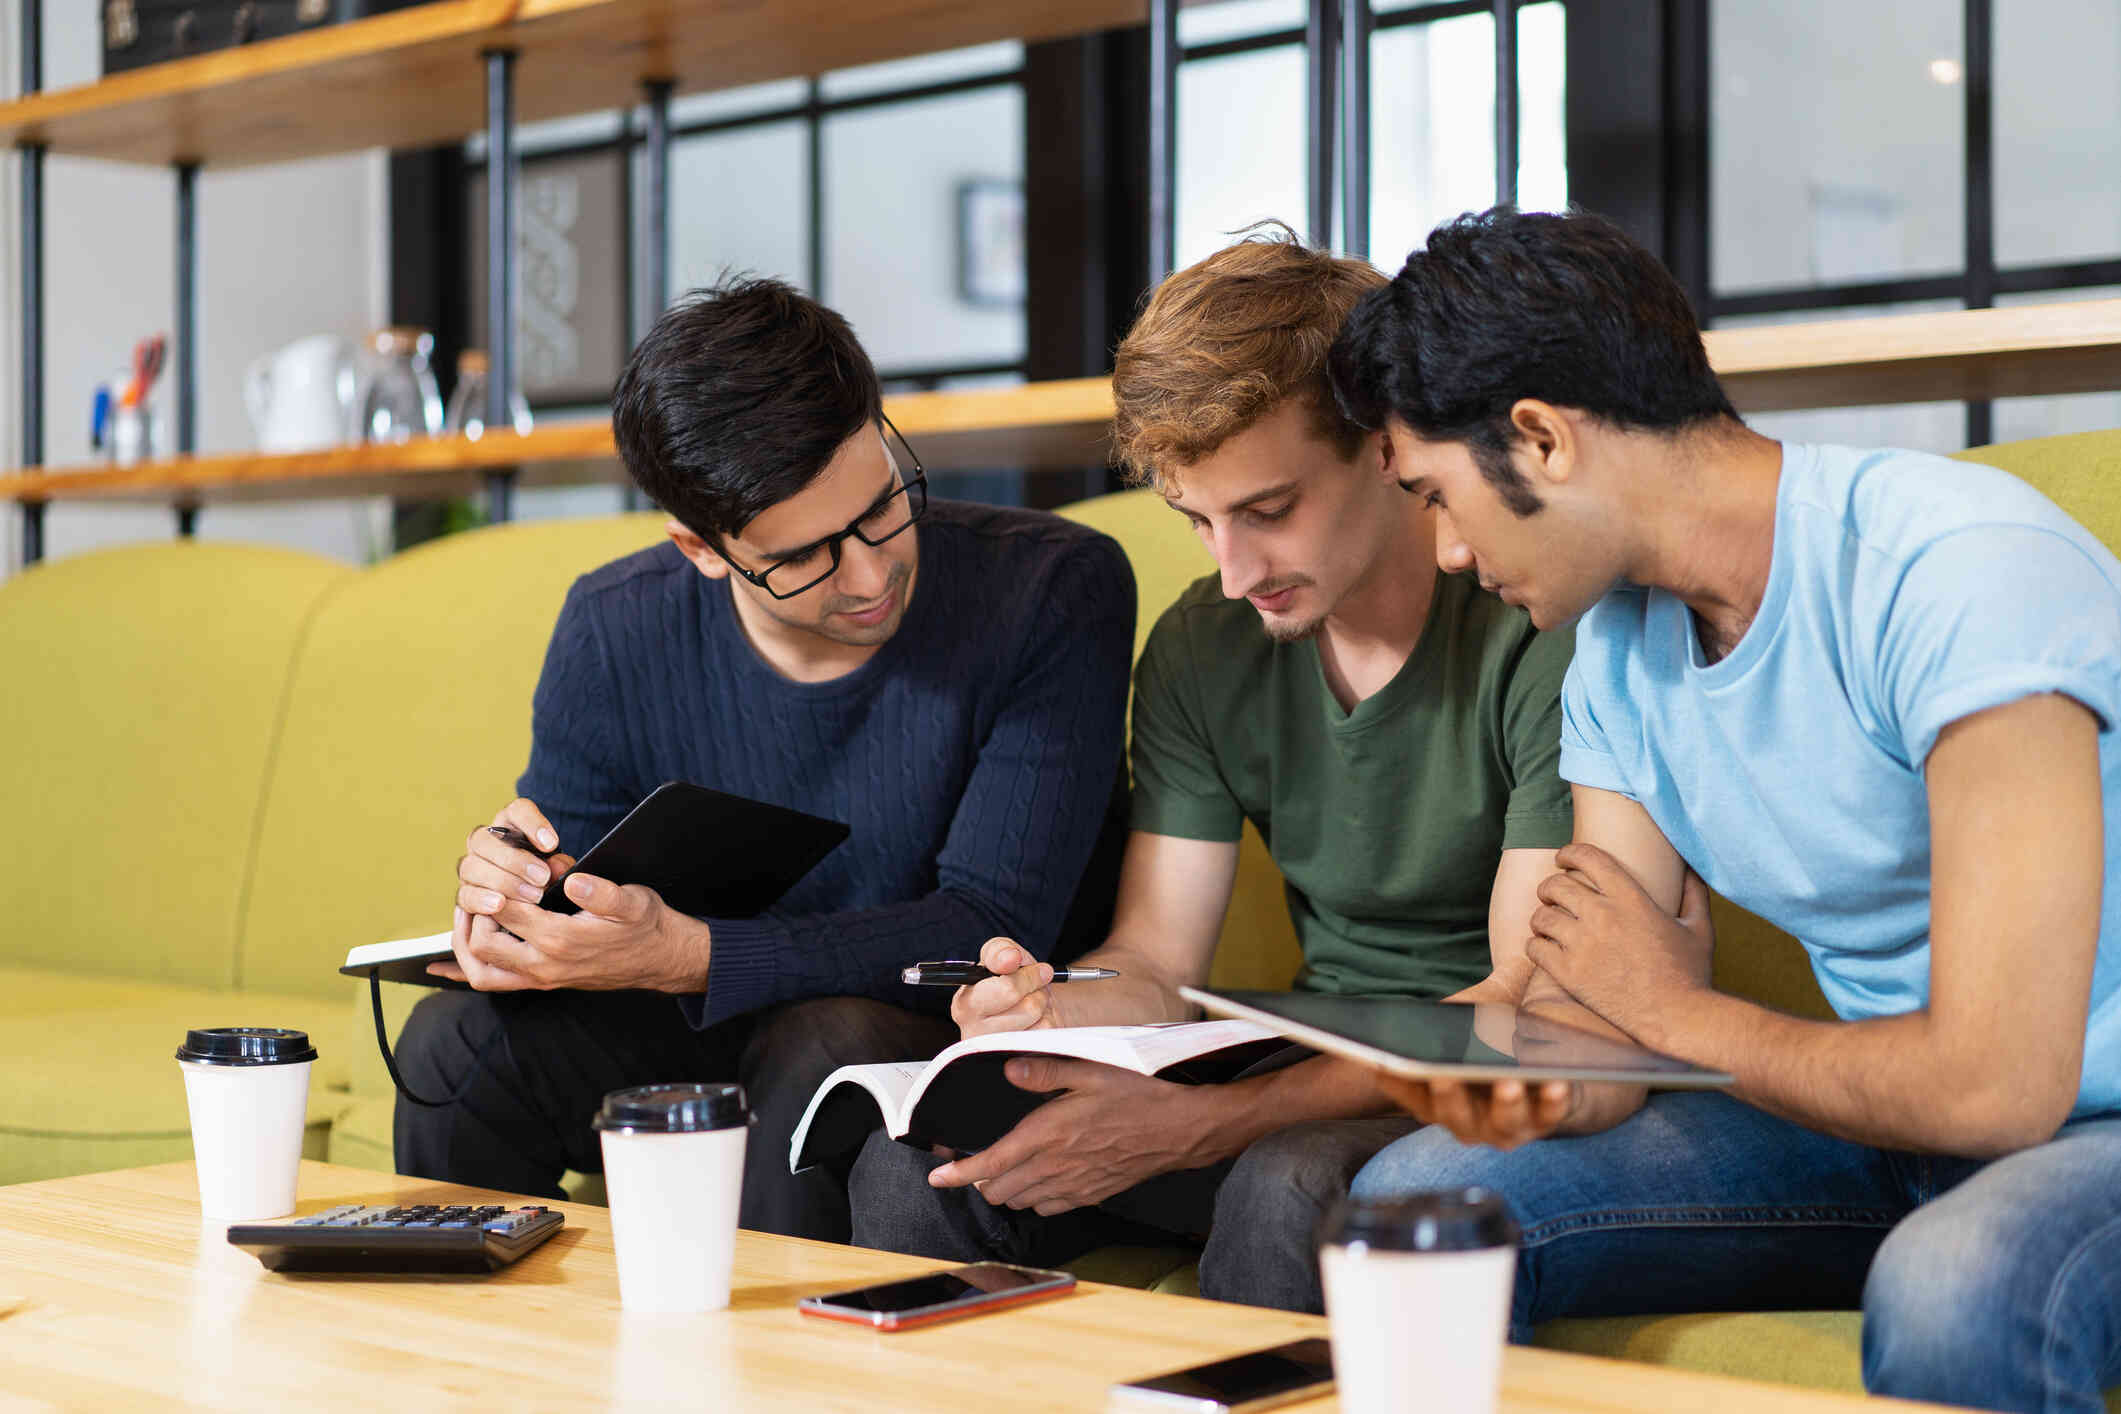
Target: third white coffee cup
[673,1171]
[1418,1296]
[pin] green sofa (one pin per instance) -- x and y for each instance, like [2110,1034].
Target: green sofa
[230,763]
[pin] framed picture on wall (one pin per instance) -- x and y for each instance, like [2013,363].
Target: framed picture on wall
[571,268]
[990,243]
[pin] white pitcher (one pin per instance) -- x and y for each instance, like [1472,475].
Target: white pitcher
[301,398]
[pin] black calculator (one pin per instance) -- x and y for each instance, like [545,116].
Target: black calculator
[426,1237]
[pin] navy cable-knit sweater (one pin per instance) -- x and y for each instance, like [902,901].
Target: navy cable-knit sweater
[974,754]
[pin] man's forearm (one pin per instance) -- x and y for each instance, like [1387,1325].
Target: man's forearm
[1235,1116]
[1889,1082]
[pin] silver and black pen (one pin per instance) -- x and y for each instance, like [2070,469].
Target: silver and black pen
[964,974]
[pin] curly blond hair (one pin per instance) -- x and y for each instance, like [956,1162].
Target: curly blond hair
[1224,341]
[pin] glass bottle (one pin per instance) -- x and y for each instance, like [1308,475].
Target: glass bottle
[467,405]
[400,400]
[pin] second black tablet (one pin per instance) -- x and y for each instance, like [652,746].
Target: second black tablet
[708,853]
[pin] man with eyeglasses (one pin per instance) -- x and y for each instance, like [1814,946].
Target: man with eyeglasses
[947,678]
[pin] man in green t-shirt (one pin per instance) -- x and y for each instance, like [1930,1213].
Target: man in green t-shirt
[1392,732]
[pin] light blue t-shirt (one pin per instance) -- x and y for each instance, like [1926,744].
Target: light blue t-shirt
[1905,591]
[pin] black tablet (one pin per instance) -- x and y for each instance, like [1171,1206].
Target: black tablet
[708,853]
[1454,1040]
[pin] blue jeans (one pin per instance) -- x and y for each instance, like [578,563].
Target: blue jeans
[1996,1284]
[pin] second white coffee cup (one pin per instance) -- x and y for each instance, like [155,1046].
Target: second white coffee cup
[1418,1296]
[247,1088]
[673,1172]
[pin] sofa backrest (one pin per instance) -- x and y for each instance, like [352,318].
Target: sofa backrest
[407,722]
[143,689]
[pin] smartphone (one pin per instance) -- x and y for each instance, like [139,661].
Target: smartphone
[938,1296]
[1258,1379]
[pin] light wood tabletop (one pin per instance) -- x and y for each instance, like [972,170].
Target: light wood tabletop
[114,1294]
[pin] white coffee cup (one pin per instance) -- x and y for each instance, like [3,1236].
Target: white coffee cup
[673,1172]
[248,1091]
[1418,1295]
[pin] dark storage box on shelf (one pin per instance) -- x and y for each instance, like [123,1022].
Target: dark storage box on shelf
[141,32]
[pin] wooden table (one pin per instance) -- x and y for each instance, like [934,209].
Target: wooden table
[113,1294]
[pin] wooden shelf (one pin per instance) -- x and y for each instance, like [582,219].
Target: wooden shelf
[2022,351]
[413,78]
[1984,353]
[1061,423]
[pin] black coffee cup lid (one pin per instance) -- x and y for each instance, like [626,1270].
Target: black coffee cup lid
[246,1045]
[1451,1220]
[673,1109]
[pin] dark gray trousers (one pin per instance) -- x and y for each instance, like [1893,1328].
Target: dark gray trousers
[1257,1215]
[536,1065]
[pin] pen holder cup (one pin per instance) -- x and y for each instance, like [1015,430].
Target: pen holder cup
[136,434]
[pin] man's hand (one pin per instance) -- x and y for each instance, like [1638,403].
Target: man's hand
[1612,948]
[624,937]
[492,863]
[1502,1113]
[1112,1130]
[1019,997]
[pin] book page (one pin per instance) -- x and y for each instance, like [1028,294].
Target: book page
[1146,1049]
[1161,1046]
[849,1104]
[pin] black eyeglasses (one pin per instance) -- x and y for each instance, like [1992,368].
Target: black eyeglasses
[807,568]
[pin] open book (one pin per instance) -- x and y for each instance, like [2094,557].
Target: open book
[963,1100]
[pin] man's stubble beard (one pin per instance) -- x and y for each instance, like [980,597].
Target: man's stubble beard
[1293,633]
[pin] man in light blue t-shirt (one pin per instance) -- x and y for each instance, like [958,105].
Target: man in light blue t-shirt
[1869,695]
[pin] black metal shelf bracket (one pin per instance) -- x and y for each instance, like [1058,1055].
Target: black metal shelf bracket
[186,350]
[32,272]
[501,280]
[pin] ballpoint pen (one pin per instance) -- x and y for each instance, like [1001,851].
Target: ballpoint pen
[960,974]
[509,834]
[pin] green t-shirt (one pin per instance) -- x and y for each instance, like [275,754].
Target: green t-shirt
[1387,821]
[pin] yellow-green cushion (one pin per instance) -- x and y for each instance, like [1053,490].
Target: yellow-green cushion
[2081,473]
[408,720]
[92,1075]
[144,690]
[1819,1349]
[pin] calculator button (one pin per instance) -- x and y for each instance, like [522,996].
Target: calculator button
[320,1219]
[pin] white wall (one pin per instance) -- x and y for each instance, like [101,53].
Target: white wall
[285,250]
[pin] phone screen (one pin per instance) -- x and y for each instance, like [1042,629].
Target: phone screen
[1258,1374]
[938,1288]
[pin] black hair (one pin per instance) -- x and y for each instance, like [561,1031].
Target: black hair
[1506,304]
[737,399]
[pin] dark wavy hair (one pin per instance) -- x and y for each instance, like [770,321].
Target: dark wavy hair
[737,399]
[1507,304]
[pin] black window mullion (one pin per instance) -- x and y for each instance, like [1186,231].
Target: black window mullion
[814,146]
[1980,188]
[1506,102]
